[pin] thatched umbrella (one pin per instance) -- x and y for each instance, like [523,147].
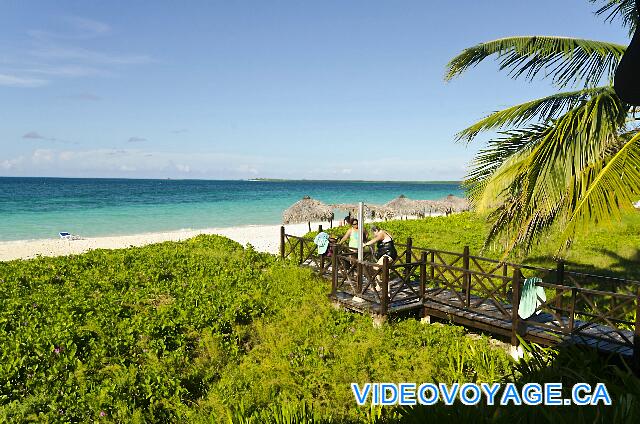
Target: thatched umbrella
[457,204]
[307,210]
[402,205]
[381,211]
[447,205]
[429,206]
[371,211]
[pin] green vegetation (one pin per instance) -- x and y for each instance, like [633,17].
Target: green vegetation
[197,330]
[207,331]
[563,162]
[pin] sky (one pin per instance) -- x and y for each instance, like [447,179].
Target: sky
[329,89]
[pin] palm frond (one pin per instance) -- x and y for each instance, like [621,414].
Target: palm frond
[607,187]
[489,159]
[534,187]
[520,228]
[620,9]
[543,110]
[565,147]
[565,60]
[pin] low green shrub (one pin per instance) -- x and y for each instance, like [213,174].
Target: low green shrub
[188,331]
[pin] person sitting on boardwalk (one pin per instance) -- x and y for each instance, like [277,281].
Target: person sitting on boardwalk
[352,234]
[385,245]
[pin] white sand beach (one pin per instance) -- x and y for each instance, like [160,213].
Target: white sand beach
[264,238]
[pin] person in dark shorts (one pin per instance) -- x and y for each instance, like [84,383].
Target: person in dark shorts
[384,244]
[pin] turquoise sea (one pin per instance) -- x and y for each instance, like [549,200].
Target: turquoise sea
[34,208]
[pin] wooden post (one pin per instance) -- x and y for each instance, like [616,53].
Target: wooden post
[467,277]
[334,271]
[515,304]
[432,271]
[282,242]
[409,247]
[359,270]
[301,252]
[560,282]
[505,274]
[407,259]
[384,302]
[423,275]
[572,310]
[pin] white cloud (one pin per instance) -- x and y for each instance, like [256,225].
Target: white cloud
[68,71]
[244,168]
[35,135]
[10,164]
[42,156]
[90,97]
[136,139]
[21,81]
[46,56]
[85,55]
[76,28]
[145,163]
[89,26]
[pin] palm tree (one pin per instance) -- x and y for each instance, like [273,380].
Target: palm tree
[564,161]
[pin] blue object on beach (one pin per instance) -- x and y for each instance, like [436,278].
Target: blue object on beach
[531,298]
[68,236]
[322,241]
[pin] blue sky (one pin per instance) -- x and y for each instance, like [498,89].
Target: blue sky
[328,89]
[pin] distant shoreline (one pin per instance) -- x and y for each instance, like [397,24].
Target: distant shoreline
[353,181]
[284,180]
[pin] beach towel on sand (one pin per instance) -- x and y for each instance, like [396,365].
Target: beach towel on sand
[532,297]
[322,241]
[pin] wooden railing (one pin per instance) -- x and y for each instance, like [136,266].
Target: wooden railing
[579,306]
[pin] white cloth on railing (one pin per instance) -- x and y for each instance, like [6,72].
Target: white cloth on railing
[322,241]
[531,297]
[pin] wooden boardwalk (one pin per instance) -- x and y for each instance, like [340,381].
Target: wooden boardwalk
[483,294]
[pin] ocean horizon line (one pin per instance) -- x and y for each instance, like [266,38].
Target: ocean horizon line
[239,179]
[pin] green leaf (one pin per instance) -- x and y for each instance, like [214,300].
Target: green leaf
[543,110]
[563,59]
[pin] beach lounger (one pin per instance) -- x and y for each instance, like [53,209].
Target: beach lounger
[68,236]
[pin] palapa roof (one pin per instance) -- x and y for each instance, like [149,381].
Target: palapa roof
[402,205]
[457,204]
[433,206]
[370,210]
[306,210]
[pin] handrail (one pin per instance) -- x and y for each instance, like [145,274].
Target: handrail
[495,261]
[475,282]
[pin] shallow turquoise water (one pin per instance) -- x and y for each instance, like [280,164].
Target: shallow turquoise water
[32,208]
